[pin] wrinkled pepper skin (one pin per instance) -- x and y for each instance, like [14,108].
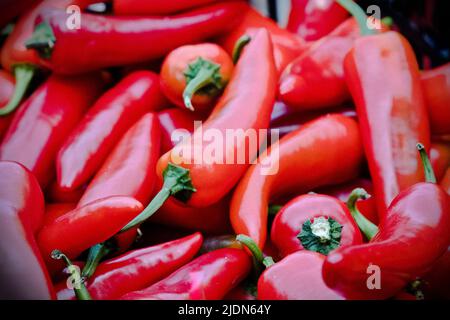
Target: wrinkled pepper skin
[137,269]
[130,168]
[86,149]
[127,40]
[256,72]
[290,219]
[413,235]
[44,120]
[81,228]
[296,277]
[22,272]
[313,19]
[440,158]
[301,164]
[382,74]
[436,88]
[6,91]
[208,277]
[286,46]
[155,7]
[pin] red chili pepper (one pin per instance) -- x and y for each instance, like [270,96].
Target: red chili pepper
[412,236]
[137,269]
[440,158]
[445,182]
[80,229]
[286,46]
[54,193]
[295,162]
[155,7]
[125,40]
[22,271]
[86,149]
[56,210]
[41,124]
[130,168]
[208,277]
[367,206]
[436,88]
[6,92]
[194,75]
[296,277]
[314,222]
[313,19]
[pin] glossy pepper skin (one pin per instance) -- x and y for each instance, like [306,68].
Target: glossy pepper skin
[382,74]
[171,120]
[127,40]
[436,88]
[196,73]
[208,277]
[256,73]
[295,161]
[55,210]
[87,147]
[316,79]
[413,235]
[137,269]
[22,272]
[155,7]
[290,221]
[313,19]
[6,91]
[297,277]
[440,158]
[286,46]
[130,168]
[81,228]
[44,120]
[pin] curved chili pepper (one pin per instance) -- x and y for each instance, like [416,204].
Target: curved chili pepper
[6,92]
[286,46]
[399,248]
[130,168]
[137,269]
[193,75]
[440,158]
[56,210]
[124,40]
[300,164]
[208,277]
[80,229]
[313,19]
[297,277]
[42,122]
[86,149]
[314,222]
[155,7]
[55,194]
[22,272]
[367,206]
[171,120]
[436,89]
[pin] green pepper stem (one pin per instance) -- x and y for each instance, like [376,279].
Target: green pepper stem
[239,46]
[42,40]
[367,228]
[203,78]
[274,209]
[96,254]
[427,167]
[23,74]
[80,289]
[358,13]
[258,256]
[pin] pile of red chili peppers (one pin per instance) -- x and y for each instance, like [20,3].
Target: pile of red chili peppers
[100,198]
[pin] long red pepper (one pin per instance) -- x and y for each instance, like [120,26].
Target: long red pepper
[314,222]
[42,122]
[301,164]
[6,92]
[203,183]
[155,7]
[130,169]
[440,158]
[436,88]
[414,233]
[313,19]
[286,46]
[137,269]
[208,277]
[22,272]
[382,74]
[125,40]
[85,150]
